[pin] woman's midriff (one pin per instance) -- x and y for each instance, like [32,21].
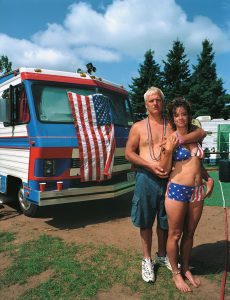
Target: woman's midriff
[187,172]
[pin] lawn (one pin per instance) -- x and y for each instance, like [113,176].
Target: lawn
[217,199]
[79,271]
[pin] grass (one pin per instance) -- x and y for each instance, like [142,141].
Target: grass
[216,199]
[80,271]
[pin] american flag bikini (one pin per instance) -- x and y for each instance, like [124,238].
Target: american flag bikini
[180,192]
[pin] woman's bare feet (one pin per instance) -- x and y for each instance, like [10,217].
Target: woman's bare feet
[180,283]
[194,280]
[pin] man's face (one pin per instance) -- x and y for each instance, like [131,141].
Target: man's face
[154,104]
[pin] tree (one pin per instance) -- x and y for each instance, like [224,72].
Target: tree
[149,75]
[5,65]
[176,72]
[206,90]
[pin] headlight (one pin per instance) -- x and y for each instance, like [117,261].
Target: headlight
[49,168]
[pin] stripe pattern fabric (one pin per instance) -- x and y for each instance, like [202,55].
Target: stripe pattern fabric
[95,133]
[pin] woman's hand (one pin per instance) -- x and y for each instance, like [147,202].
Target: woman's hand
[170,143]
[209,185]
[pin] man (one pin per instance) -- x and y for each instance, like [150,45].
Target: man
[145,149]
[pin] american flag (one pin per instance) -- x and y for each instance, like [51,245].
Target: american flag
[95,133]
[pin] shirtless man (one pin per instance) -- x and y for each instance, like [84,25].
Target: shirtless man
[145,149]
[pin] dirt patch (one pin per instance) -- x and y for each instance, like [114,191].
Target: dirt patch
[16,290]
[108,222]
[117,292]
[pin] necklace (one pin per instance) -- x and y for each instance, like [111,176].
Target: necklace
[150,141]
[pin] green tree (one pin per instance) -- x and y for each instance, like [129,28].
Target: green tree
[206,90]
[5,64]
[149,75]
[176,72]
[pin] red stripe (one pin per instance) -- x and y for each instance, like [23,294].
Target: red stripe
[96,146]
[111,154]
[89,155]
[103,144]
[67,79]
[77,131]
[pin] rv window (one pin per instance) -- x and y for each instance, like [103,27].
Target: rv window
[52,102]
[20,110]
[122,115]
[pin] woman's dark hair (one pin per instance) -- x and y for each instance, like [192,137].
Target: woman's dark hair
[171,110]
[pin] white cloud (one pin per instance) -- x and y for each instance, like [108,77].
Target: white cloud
[124,28]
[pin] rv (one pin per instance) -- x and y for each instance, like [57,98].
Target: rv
[53,150]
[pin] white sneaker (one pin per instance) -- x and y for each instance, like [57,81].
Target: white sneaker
[148,270]
[163,261]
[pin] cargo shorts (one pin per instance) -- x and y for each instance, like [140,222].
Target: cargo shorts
[148,200]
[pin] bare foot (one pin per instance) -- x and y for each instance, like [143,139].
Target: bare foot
[194,281]
[180,283]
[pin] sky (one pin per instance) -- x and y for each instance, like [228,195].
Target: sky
[112,34]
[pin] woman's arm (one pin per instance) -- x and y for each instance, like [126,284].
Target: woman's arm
[209,181]
[167,151]
[198,134]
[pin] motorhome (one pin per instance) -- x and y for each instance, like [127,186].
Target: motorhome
[47,156]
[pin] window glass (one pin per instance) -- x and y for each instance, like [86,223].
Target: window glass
[52,103]
[120,108]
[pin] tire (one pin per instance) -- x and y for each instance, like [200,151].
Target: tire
[29,209]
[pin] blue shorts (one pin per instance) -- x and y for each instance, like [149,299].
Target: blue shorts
[185,193]
[148,200]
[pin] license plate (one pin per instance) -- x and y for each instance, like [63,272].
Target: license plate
[131,176]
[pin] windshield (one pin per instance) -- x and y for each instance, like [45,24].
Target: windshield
[52,104]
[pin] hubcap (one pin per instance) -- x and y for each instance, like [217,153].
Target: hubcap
[22,200]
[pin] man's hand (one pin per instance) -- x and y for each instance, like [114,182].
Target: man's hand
[209,185]
[158,171]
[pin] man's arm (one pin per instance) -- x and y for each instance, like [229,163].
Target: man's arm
[131,153]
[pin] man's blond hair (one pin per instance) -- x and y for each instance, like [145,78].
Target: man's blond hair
[153,90]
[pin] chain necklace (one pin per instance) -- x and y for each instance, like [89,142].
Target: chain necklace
[150,140]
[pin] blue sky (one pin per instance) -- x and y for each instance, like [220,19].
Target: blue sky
[113,35]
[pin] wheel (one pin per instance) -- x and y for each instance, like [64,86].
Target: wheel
[29,209]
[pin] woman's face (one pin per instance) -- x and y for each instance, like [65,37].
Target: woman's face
[180,117]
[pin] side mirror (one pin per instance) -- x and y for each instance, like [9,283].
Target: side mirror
[5,111]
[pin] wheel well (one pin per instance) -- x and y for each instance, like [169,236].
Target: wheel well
[13,184]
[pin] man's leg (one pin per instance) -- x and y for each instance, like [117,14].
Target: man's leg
[146,240]
[162,236]
[147,264]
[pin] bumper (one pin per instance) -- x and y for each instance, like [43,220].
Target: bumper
[85,194]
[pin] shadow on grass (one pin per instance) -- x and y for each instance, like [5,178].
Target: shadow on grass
[209,258]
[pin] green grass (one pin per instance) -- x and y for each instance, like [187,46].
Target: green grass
[81,271]
[5,239]
[217,199]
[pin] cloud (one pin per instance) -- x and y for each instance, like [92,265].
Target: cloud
[122,29]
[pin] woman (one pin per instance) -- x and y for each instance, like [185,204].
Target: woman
[184,196]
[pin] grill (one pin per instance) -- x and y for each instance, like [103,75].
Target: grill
[118,160]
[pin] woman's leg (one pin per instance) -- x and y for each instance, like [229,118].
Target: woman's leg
[176,211]
[192,219]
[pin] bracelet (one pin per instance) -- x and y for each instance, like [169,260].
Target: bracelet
[176,273]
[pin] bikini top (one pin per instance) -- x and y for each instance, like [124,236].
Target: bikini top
[183,153]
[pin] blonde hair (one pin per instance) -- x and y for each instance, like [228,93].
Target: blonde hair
[153,90]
